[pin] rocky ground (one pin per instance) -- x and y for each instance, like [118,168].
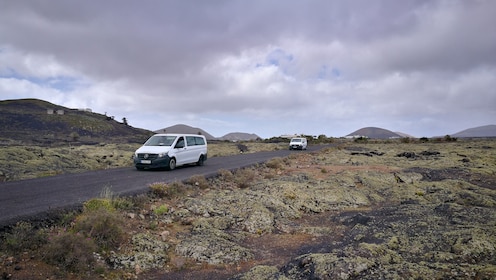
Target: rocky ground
[373,210]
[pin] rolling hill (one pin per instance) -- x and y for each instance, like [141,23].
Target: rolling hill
[480,131]
[182,128]
[239,136]
[374,133]
[34,121]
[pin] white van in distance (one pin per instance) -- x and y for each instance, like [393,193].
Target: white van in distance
[171,150]
[298,143]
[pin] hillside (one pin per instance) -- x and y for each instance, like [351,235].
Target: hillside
[34,121]
[374,133]
[182,128]
[239,136]
[480,131]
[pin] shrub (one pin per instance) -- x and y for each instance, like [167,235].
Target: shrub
[275,163]
[124,203]
[448,138]
[23,236]
[244,177]
[105,227]
[361,139]
[70,251]
[225,174]
[162,189]
[96,204]
[199,181]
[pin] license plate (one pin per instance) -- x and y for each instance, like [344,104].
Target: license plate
[143,161]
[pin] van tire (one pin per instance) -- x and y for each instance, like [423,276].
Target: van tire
[172,164]
[201,161]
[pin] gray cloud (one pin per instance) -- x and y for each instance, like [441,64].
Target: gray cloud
[268,67]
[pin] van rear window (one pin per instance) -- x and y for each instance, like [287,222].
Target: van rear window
[193,140]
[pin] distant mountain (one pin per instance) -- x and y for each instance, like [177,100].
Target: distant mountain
[404,134]
[186,129]
[239,136]
[480,131]
[34,121]
[374,133]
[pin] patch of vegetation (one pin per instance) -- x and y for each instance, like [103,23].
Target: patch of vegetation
[161,210]
[72,252]
[244,177]
[275,163]
[106,228]
[199,181]
[165,190]
[23,236]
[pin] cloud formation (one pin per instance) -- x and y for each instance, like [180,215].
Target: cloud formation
[425,68]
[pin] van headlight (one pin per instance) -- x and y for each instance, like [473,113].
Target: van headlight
[160,155]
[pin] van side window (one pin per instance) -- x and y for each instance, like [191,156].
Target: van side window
[190,140]
[180,143]
[200,141]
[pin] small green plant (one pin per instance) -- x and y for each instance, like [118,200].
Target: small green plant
[162,209]
[123,203]
[96,204]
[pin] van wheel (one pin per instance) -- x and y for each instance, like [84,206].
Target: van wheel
[200,161]
[172,164]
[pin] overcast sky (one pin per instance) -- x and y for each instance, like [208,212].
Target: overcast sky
[426,68]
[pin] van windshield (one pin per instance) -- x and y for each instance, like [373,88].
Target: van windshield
[157,140]
[296,140]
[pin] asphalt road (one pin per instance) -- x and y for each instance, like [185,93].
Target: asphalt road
[37,199]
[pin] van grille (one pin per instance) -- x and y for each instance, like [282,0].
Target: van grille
[147,156]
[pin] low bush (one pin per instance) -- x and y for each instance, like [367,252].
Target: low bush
[97,204]
[244,177]
[71,252]
[160,189]
[164,190]
[199,181]
[225,175]
[275,163]
[23,236]
[104,227]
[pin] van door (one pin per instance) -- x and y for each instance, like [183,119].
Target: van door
[180,151]
[192,153]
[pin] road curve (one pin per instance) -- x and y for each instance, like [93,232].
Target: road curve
[35,199]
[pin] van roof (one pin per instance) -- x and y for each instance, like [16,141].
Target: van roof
[178,134]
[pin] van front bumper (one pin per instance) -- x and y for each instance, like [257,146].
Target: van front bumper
[158,162]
